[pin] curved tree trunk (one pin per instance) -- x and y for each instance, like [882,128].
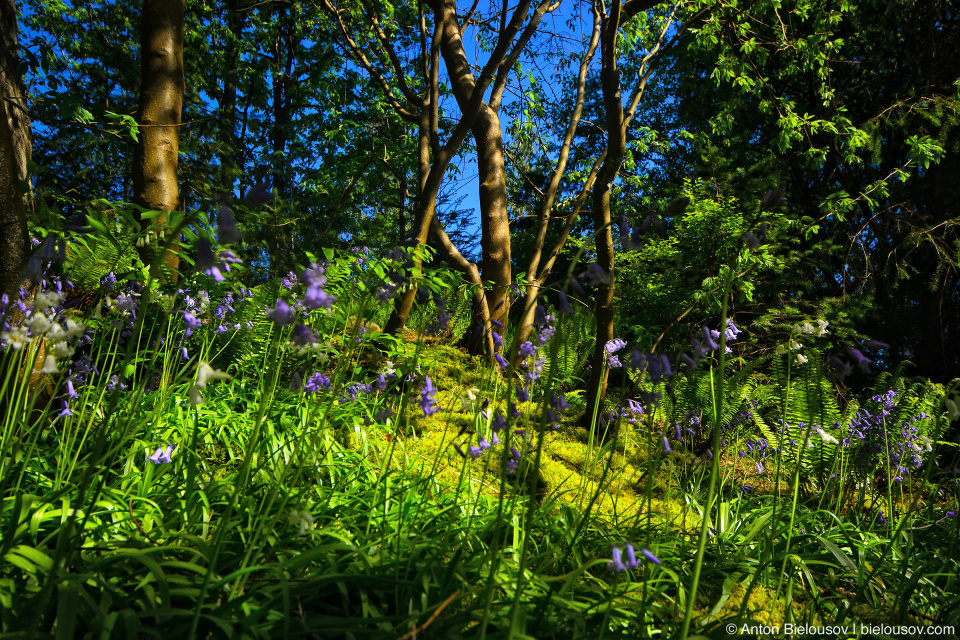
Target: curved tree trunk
[494,221]
[616,145]
[161,103]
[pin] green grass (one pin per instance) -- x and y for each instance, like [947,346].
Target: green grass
[288,515]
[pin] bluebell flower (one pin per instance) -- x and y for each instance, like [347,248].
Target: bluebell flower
[316,383]
[708,339]
[227,232]
[859,359]
[427,402]
[563,304]
[527,350]
[665,444]
[281,314]
[539,316]
[162,455]
[303,336]
[558,402]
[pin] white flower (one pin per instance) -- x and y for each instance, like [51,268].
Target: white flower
[821,327]
[74,329]
[927,443]
[49,366]
[62,350]
[952,409]
[795,345]
[806,328]
[826,437]
[194,393]
[301,518]
[39,324]
[801,359]
[15,338]
[205,373]
[43,301]
[468,398]
[388,368]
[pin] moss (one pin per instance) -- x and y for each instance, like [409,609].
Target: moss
[762,606]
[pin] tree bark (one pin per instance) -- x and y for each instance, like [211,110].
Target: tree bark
[18,117]
[616,146]
[228,101]
[160,107]
[494,220]
[13,215]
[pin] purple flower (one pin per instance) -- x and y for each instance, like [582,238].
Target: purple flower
[859,359]
[563,304]
[161,455]
[842,368]
[227,232]
[503,363]
[282,313]
[303,335]
[707,336]
[616,564]
[731,331]
[316,382]
[205,260]
[614,345]
[558,402]
[539,316]
[665,444]
[527,350]
[649,556]
[595,275]
[427,402]
[316,298]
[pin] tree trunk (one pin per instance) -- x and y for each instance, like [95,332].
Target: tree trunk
[494,222]
[494,225]
[426,210]
[616,145]
[18,117]
[228,101]
[160,107]
[13,215]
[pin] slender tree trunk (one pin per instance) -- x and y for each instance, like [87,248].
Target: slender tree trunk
[283,61]
[228,101]
[616,144]
[13,215]
[426,211]
[161,103]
